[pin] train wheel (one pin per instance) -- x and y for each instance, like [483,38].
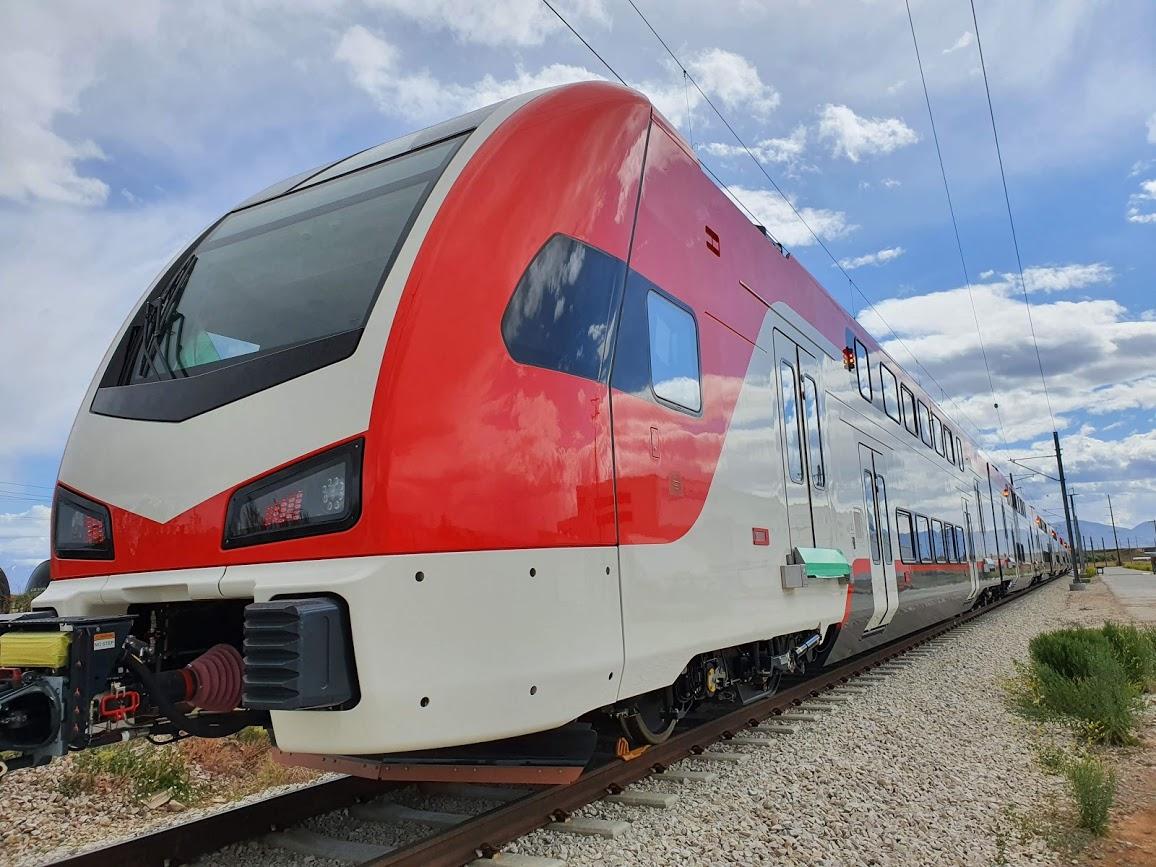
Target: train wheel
[652,719]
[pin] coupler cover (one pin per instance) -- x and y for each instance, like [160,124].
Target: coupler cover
[297,655]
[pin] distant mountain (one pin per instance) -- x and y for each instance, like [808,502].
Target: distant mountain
[1141,535]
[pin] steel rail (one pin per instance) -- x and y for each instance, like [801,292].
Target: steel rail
[486,834]
[184,842]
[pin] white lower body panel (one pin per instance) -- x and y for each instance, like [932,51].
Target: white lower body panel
[497,652]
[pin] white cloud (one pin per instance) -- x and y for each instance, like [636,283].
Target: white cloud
[510,22]
[735,81]
[788,150]
[890,183]
[965,40]
[42,84]
[1095,355]
[986,275]
[70,299]
[1142,205]
[1060,278]
[23,540]
[774,213]
[880,258]
[1140,167]
[855,137]
[375,66]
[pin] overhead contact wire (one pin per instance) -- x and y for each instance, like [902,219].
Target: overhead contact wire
[955,224]
[1010,219]
[758,163]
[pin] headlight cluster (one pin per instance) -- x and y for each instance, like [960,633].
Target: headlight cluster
[321,494]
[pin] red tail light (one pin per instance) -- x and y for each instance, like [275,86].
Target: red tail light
[81,528]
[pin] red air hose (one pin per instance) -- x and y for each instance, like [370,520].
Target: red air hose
[218,673]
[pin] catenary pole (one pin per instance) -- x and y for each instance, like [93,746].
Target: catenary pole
[1064,489]
[1115,538]
[1081,558]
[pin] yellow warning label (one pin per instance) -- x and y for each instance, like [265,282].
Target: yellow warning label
[104,641]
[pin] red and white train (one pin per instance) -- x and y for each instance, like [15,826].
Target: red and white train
[506,423]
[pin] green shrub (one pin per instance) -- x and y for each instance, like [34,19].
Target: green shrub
[145,768]
[1093,788]
[1094,676]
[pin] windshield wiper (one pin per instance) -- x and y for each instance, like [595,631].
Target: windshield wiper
[158,315]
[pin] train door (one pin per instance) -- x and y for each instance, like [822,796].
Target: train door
[884,589]
[792,364]
[972,567]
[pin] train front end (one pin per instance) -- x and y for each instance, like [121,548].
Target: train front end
[255,519]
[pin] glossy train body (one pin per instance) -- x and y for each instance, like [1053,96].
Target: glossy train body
[592,425]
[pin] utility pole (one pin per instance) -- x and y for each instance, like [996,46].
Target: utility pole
[1119,562]
[1064,490]
[1080,557]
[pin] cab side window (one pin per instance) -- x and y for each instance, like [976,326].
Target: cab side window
[674,369]
[560,315]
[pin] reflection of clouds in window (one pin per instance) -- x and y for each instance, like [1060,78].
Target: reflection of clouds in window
[559,314]
[673,353]
[681,390]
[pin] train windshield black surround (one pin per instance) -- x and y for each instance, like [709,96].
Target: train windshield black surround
[271,292]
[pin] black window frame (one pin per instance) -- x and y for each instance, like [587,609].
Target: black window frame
[925,429]
[863,368]
[938,554]
[908,411]
[923,538]
[936,434]
[904,518]
[795,398]
[884,372]
[822,481]
[949,445]
[959,452]
[677,303]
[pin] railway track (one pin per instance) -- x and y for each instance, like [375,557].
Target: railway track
[462,838]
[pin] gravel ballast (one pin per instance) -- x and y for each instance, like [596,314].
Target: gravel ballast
[926,767]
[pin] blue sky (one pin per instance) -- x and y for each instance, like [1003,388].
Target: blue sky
[125,128]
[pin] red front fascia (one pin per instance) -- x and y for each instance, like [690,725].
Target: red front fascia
[467,449]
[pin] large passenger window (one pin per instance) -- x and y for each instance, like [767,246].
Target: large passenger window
[790,391]
[814,432]
[560,313]
[937,540]
[936,434]
[673,353]
[923,535]
[948,445]
[906,537]
[910,419]
[863,370]
[889,386]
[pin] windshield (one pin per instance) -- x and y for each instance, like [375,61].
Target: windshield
[290,271]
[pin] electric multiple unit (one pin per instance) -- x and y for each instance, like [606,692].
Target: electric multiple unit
[511,422]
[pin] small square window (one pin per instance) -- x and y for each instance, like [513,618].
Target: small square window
[674,371]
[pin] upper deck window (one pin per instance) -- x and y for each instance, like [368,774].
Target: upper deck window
[925,424]
[889,386]
[910,419]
